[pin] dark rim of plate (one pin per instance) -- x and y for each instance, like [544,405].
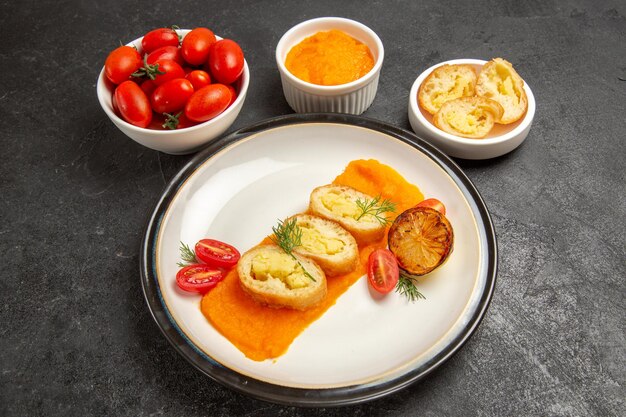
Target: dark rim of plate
[306,397]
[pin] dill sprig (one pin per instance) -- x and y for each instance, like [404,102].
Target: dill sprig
[187,255]
[406,286]
[288,236]
[376,208]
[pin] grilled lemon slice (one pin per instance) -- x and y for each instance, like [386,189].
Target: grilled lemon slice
[421,238]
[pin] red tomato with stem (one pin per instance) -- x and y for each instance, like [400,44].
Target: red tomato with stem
[171,96]
[208,102]
[216,253]
[133,104]
[166,52]
[196,44]
[177,121]
[198,278]
[170,70]
[159,37]
[382,270]
[433,203]
[225,61]
[121,63]
[183,122]
[199,78]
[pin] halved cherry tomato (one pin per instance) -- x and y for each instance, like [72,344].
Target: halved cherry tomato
[216,253]
[225,61]
[198,78]
[166,52]
[121,63]
[198,278]
[171,96]
[133,104]
[208,102]
[170,70]
[157,38]
[382,270]
[196,45]
[434,204]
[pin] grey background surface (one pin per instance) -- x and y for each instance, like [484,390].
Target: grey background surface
[76,337]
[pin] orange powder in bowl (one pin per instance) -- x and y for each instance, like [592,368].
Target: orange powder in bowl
[329,58]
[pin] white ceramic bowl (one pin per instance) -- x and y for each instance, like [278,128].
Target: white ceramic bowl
[354,97]
[501,140]
[181,141]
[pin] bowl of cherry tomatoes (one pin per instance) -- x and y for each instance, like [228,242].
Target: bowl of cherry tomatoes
[174,90]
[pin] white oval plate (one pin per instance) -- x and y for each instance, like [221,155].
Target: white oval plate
[364,346]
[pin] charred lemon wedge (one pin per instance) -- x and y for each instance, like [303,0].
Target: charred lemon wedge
[421,238]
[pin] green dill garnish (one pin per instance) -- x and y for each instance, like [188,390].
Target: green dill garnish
[406,286]
[176,28]
[171,120]
[288,236]
[376,208]
[187,255]
[148,70]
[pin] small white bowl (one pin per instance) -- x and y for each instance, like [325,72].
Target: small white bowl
[501,140]
[353,97]
[180,141]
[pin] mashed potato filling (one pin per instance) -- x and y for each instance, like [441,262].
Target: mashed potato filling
[279,269]
[459,87]
[343,205]
[313,241]
[467,123]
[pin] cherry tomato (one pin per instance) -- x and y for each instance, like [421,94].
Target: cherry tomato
[207,102]
[157,38]
[382,270]
[434,204]
[196,45]
[171,71]
[166,52]
[133,104]
[116,109]
[177,121]
[171,96]
[121,63]
[234,94]
[216,253]
[157,122]
[148,87]
[183,122]
[198,278]
[225,61]
[199,78]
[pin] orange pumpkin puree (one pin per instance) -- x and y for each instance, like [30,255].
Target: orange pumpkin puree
[329,58]
[262,332]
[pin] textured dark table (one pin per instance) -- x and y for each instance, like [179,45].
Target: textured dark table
[76,337]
